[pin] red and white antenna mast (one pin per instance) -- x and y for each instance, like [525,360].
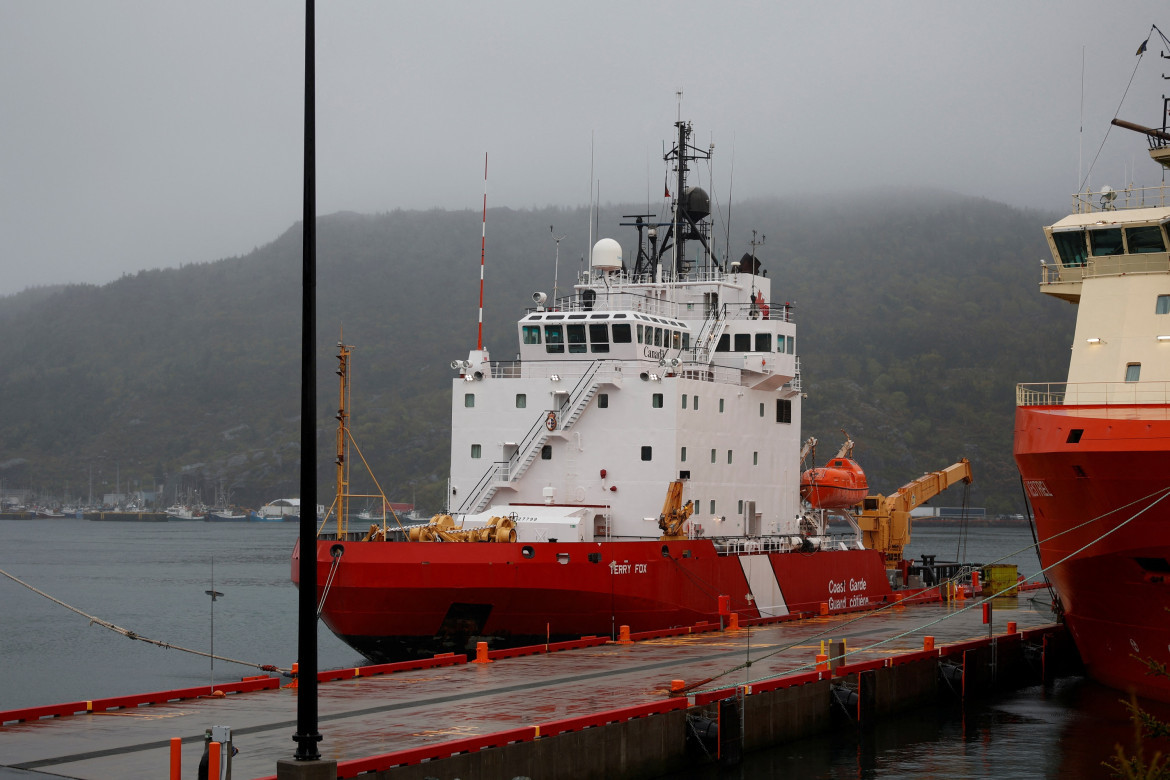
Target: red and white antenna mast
[482,248]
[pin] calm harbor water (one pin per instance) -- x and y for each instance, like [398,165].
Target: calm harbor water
[152,578]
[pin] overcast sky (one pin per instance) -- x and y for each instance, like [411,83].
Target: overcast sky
[138,134]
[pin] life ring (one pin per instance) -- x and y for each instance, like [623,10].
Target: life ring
[550,422]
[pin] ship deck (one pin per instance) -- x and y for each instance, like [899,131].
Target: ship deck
[367,716]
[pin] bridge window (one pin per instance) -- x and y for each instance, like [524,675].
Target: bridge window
[621,333]
[554,338]
[724,344]
[676,339]
[763,342]
[521,401]
[576,338]
[783,410]
[1070,246]
[1133,372]
[531,334]
[599,337]
[686,340]
[743,342]
[476,450]
[469,400]
[1105,241]
[658,337]
[1144,240]
[1163,305]
[792,345]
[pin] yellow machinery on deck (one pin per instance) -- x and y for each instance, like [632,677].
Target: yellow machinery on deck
[885,520]
[674,514]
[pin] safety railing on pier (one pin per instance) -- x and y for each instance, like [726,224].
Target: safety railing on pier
[1092,393]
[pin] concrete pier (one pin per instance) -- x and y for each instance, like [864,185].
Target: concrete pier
[601,710]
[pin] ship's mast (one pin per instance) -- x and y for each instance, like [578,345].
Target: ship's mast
[342,462]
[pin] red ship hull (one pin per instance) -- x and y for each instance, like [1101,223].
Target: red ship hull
[1098,479]
[395,600]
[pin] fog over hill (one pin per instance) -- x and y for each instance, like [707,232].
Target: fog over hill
[917,313]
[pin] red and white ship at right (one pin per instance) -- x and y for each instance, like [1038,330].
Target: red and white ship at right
[1094,452]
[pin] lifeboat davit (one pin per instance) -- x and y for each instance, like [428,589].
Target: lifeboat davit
[839,485]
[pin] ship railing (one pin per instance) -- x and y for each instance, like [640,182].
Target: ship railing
[1092,201]
[1112,265]
[1092,393]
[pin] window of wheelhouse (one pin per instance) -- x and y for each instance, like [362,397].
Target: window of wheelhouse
[598,337]
[743,342]
[763,342]
[531,334]
[1144,239]
[724,344]
[1106,241]
[554,338]
[1070,246]
[621,333]
[1133,372]
[576,338]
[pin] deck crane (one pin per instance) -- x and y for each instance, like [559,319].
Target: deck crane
[885,520]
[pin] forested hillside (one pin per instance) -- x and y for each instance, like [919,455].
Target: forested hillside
[917,313]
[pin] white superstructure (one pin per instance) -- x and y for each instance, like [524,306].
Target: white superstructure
[667,370]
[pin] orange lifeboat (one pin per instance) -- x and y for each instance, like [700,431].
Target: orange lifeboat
[839,485]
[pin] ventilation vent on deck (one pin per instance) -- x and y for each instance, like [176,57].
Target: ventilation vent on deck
[1074,436]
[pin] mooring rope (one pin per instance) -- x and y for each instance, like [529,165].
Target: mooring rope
[328,584]
[134,635]
[836,629]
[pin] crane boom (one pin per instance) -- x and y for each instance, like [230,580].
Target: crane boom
[885,520]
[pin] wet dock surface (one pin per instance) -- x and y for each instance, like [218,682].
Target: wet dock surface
[368,716]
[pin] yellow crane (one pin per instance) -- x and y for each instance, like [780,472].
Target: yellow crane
[674,513]
[885,520]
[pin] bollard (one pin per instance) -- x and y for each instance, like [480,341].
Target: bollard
[822,662]
[927,643]
[293,684]
[176,758]
[824,608]
[960,592]
[1011,629]
[624,636]
[733,622]
[213,759]
[677,685]
[975,581]
[481,653]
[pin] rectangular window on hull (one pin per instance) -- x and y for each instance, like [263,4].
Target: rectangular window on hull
[783,411]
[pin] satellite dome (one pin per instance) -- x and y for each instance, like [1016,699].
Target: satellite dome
[697,202]
[606,255]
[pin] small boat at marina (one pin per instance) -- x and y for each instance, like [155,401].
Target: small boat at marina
[280,510]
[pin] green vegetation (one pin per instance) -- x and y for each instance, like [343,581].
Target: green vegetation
[917,314]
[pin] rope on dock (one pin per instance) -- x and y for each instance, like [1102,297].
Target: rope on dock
[134,635]
[1157,496]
